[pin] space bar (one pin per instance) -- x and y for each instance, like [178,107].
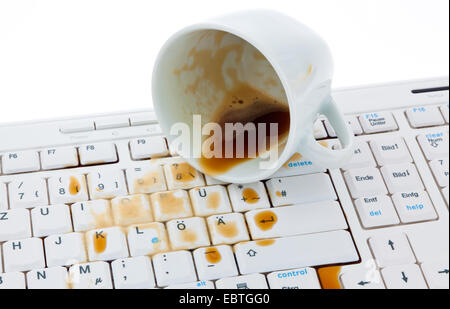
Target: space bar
[293,252]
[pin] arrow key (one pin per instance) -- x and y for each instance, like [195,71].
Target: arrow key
[390,250]
[362,278]
[436,274]
[404,277]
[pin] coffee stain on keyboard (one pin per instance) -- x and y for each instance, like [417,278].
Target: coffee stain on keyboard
[132,209]
[279,194]
[74,185]
[183,172]
[213,200]
[329,277]
[159,240]
[250,196]
[169,204]
[295,158]
[265,243]
[265,220]
[188,236]
[102,219]
[324,144]
[213,255]
[100,242]
[228,230]
[148,182]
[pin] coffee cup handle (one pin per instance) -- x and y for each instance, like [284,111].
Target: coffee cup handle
[324,156]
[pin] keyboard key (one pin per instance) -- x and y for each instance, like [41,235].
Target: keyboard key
[48,278]
[148,147]
[129,210]
[106,244]
[390,150]
[133,273]
[404,277]
[445,193]
[365,182]
[319,130]
[107,183]
[174,268]
[252,282]
[296,220]
[301,278]
[28,193]
[352,122]
[440,171]
[112,123]
[188,233]
[212,181]
[59,158]
[3,197]
[91,215]
[299,165]
[95,275]
[20,162]
[301,189]
[98,154]
[444,111]
[23,255]
[65,250]
[378,122]
[245,197]
[424,116]
[147,239]
[143,119]
[401,177]
[198,285]
[392,249]
[14,280]
[48,220]
[434,144]
[67,189]
[429,244]
[182,176]
[362,278]
[436,274]
[362,157]
[15,224]
[77,126]
[376,211]
[227,229]
[171,205]
[215,262]
[295,252]
[414,206]
[208,201]
[146,179]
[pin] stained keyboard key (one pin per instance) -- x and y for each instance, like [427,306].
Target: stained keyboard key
[301,189]
[296,220]
[294,252]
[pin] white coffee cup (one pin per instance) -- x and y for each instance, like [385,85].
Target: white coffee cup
[295,60]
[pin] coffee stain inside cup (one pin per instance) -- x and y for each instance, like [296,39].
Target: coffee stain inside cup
[219,72]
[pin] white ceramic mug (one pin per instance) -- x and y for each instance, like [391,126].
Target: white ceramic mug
[296,61]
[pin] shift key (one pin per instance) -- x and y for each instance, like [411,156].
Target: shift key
[294,252]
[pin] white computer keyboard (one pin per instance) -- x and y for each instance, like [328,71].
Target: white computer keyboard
[100,202]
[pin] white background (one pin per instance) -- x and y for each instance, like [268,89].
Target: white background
[63,58]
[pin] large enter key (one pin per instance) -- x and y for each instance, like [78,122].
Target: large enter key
[294,252]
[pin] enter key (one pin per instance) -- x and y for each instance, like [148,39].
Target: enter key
[296,220]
